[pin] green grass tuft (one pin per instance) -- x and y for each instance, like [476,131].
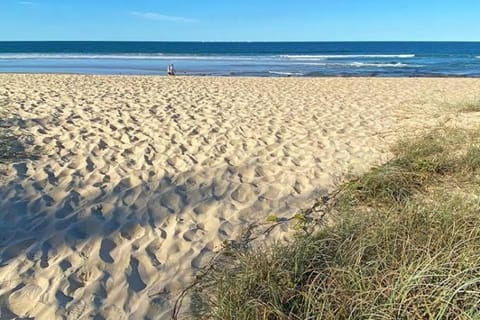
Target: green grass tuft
[418,163]
[471,160]
[470,106]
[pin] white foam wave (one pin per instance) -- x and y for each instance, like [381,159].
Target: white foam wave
[346,56]
[155,56]
[362,64]
[282,73]
[161,56]
[380,65]
[27,56]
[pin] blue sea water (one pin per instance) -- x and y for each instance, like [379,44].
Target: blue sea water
[314,59]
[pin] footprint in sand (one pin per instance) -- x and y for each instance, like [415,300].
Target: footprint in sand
[68,207]
[172,201]
[73,284]
[76,310]
[105,249]
[134,279]
[21,170]
[132,230]
[243,193]
[203,258]
[90,165]
[152,250]
[102,144]
[84,228]
[62,299]
[44,259]
[52,179]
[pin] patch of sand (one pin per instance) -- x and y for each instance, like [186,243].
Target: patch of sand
[141,179]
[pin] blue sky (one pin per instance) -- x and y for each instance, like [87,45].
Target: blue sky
[240,20]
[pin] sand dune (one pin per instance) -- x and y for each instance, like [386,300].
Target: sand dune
[141,179]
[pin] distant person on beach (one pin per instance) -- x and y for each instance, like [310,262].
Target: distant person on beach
[170,70]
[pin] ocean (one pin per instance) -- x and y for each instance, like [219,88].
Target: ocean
[301,59]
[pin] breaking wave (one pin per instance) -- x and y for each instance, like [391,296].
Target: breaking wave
[282,73]
[346,56]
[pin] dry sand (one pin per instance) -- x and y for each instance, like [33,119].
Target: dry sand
[141,179]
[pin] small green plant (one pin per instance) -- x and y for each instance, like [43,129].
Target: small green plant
[300,217]
[273,218]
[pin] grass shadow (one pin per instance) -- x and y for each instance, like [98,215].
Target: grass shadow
[13,143]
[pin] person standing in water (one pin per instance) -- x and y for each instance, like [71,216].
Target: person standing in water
[170,70]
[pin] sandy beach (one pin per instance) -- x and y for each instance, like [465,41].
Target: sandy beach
[139,180]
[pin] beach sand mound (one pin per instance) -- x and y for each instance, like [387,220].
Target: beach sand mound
[141,179]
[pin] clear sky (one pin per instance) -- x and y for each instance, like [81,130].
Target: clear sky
[240,20]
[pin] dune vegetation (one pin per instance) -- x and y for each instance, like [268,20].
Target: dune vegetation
[12,146]
[470,106]
[403,242]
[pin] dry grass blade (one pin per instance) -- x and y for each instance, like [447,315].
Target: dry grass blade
[471,106]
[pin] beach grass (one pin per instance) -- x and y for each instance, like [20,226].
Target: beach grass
[11,150]
[470,106]
[404,243]
[12,146]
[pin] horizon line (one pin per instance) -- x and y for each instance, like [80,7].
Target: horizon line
[247,41]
